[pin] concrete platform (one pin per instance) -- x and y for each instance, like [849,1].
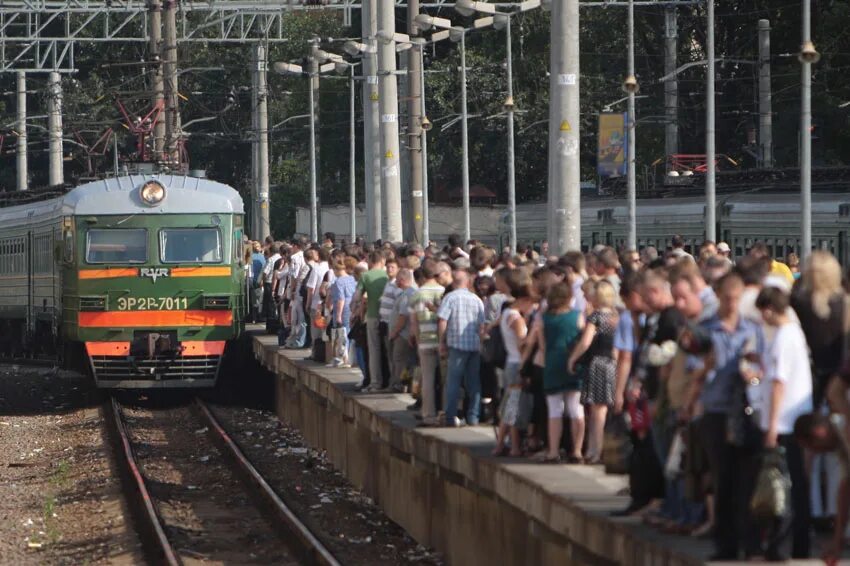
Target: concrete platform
[449,493]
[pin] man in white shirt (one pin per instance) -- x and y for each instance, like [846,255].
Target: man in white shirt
[298,270]
[313,283]
[786,394]
[268,279]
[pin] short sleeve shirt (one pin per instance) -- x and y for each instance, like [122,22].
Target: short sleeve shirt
[464,313]
[373,283]
[343,289]
[427,296]
[402,307]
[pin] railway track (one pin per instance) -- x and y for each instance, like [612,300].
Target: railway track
[198,498]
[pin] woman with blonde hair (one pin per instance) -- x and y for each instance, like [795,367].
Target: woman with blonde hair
[597,345]
[818,300]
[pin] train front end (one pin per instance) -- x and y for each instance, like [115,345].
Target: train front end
[154,273]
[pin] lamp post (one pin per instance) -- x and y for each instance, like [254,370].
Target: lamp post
[710,200]
[315,59]
[458,35]
[503,21]
[371,123]
[630,86]
[342,67]
[808,55]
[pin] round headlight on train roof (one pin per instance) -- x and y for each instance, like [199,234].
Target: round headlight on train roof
[152,193]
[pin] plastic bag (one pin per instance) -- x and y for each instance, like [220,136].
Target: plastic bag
[772,495]
[616,446]
[673,465]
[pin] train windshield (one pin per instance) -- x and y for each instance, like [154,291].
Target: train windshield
[190,245]
[116,245]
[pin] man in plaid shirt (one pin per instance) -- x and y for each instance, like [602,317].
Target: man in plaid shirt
[461,316]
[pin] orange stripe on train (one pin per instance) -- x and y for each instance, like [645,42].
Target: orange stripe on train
[110,319]
[190,348]
[108,273]
[111,273]
[223,271]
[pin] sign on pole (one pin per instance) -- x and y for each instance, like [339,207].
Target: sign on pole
[611,155]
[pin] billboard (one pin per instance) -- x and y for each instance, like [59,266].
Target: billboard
[611,156]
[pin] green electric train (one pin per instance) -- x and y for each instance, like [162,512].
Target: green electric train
[137,278]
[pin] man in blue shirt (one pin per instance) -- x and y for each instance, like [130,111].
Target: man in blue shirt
[730,439]
[460,318]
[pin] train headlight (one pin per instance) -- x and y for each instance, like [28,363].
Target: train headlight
[152,193]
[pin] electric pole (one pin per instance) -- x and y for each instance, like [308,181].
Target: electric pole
[155,48]
[55,172]
[765,102]
[388,88]
[262,132]
[808,55]
[21,155]
[313,65]
[172,111]
[564,121]
[710,201]
[631,87]
[414,125]
[371,124]
[671,87]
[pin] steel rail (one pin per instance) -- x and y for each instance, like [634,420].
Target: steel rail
[151,515]
[316,550]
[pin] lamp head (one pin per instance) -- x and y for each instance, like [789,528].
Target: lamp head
[423,21]
[325,56]
[465,7]
[341,67]
[508,105]
[500,21]
[630,85]
[456,34]
[426,124]
[808,53]
[284,68]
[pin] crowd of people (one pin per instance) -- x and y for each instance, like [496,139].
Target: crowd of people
[686,367]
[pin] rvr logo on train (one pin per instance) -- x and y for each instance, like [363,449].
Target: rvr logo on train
[154,272]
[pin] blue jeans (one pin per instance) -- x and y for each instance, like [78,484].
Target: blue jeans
[676,505]
[463,368]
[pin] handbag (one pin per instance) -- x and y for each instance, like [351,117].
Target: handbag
[772,495]
[675,457]
[617,446]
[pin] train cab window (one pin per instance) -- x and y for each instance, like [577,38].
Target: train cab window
[116,245]
[190,245]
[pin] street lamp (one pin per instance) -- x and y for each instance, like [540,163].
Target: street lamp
[458,35]
[317,68]
[341,68]
[502,20]
[631,87]
[808,56]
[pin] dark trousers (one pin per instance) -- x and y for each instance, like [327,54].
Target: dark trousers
[733,473]
[268,304]
[646,479]
[796,526]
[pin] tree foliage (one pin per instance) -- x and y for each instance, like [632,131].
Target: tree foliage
[222,145]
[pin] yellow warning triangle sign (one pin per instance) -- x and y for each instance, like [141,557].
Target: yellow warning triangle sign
[565,126]
[373,96]
[389,155]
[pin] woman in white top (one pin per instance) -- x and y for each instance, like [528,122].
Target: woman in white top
[786,394]
[514,408]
